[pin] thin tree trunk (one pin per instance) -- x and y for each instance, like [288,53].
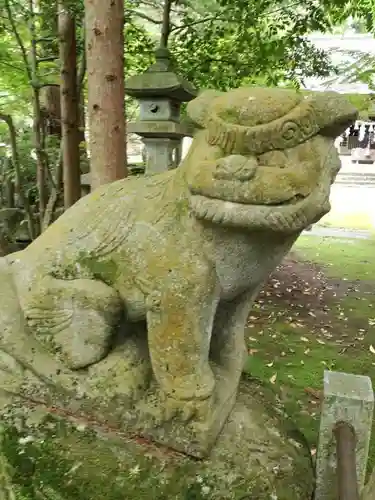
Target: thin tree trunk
[40,164]
[9,187]
[85,167]
[104,22]
[55,194]
[17,171]
[69,107]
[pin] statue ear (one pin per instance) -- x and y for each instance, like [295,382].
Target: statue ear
[334,112]
[198,108]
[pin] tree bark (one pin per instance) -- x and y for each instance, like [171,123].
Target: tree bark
[17,173]
[9,187]
[56,190]
[37,123]
[69,106]
[104,21]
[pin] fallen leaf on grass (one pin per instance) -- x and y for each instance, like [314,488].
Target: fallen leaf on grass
[269,364]
[304,339]
[253,351]
[273,378]
[314,393]
[372,349]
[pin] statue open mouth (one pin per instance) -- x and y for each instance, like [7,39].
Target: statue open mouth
[268,159]
[289,216]
[281,191]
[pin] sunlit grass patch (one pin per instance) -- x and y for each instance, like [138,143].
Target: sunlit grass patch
[293,337]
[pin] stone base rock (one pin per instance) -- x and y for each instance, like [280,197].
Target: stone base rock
[47,454]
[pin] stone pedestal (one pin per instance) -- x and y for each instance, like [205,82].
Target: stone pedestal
[161,154]
[347,398]
[46,453]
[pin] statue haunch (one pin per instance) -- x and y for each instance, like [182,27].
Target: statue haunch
[186,250]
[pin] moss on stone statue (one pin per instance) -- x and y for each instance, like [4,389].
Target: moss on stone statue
[86,265]
[59,461]
[104,269]
[50,457]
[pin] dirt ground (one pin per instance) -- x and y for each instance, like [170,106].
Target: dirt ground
[304,287]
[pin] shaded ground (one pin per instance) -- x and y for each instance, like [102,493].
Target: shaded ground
[315,313]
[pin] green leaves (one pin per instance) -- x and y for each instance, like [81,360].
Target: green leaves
[139,49]
[246,42]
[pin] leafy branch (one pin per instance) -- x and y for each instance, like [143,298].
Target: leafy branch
[19,40]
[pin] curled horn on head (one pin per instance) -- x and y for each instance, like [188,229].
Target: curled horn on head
[198,108]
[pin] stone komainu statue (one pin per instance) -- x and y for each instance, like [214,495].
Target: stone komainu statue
[140,292]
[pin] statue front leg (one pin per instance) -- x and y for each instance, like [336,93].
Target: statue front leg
[179,321]
[228,347]
[74,319]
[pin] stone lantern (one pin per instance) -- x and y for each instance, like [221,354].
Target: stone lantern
[160,92]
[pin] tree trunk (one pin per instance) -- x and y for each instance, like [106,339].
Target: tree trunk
[17,173]
[104,22]
[56,190]
[10,193]
[84,159]
[69,107]
[9,187]
[37,123]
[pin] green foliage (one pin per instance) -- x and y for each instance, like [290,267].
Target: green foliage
[16,92]
[361,67]
[363,102]
[246,42]
[139,48]
[26,158]
[14,83]
[216,43]
[361,12]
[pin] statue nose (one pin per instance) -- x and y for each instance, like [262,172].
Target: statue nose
[236,167]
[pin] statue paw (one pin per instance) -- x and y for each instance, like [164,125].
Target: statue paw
[183,410]
[198,386]
[196,410]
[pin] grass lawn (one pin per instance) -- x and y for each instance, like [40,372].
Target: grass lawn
[348,220]
[317,312]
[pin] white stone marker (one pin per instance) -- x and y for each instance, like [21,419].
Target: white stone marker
[347,398]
